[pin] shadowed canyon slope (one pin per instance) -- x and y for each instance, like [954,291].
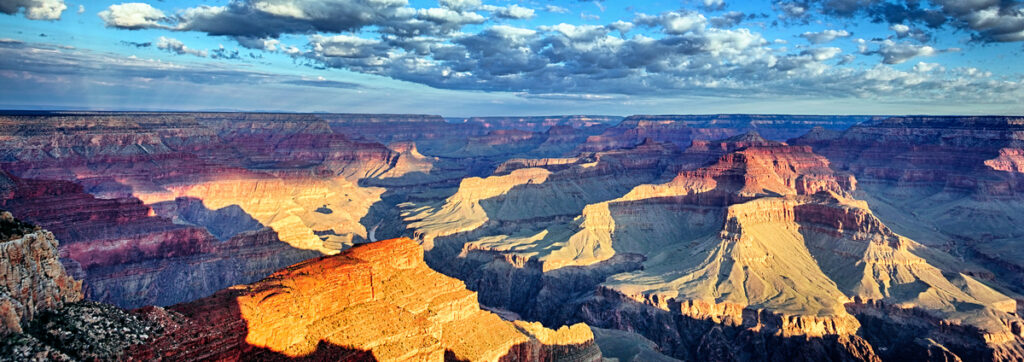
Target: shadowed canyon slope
[706,237]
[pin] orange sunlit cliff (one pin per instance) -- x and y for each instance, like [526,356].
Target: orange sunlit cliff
[375,301]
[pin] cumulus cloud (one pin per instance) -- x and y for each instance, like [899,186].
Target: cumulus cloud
[264,18]
[622,27]
[34,9]
[824,36]
[132,16]
[461,5]
[679,52]
[510,12]
[898,52]
[674,22]
[266,44]
[555,9]
[176,46]
[900,29]
[569,59]
[986,20]
[251,21]
[728,20]
[712,5]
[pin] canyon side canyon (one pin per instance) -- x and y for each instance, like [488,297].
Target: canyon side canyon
[263,236]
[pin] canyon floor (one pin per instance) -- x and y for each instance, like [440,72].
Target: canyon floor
[241,236]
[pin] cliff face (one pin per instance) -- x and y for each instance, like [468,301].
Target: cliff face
[126,256]
[31,277]
[377,301]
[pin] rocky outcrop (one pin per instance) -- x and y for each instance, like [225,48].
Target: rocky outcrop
[32,280]
[374,301]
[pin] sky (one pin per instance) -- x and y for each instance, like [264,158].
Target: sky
[462,58]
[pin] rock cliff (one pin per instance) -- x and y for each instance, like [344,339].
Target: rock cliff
[952,183]
[376,301]
[32,279]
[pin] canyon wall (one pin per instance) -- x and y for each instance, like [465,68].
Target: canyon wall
[740,257]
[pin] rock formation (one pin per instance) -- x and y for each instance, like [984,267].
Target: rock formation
[376,300]
[765,244]
[952,183]
[31,277]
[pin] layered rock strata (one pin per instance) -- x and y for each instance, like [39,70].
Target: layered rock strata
[752,253]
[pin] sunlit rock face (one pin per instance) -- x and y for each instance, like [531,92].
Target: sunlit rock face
[762,243]
[31,277]
[376,301]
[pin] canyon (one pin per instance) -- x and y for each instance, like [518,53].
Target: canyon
[693,237]
[367,303]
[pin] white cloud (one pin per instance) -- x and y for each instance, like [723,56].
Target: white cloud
[555,9]
[176,46]
[34,9]
[267,44]
[674,22]
[132,16]
[461,5]
[510,12]
[900,29]
[714,4]
[899,52]
[824,36]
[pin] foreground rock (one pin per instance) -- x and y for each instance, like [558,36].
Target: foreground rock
[378,300]
[32,279]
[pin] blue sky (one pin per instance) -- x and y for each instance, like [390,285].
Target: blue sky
[473,57]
